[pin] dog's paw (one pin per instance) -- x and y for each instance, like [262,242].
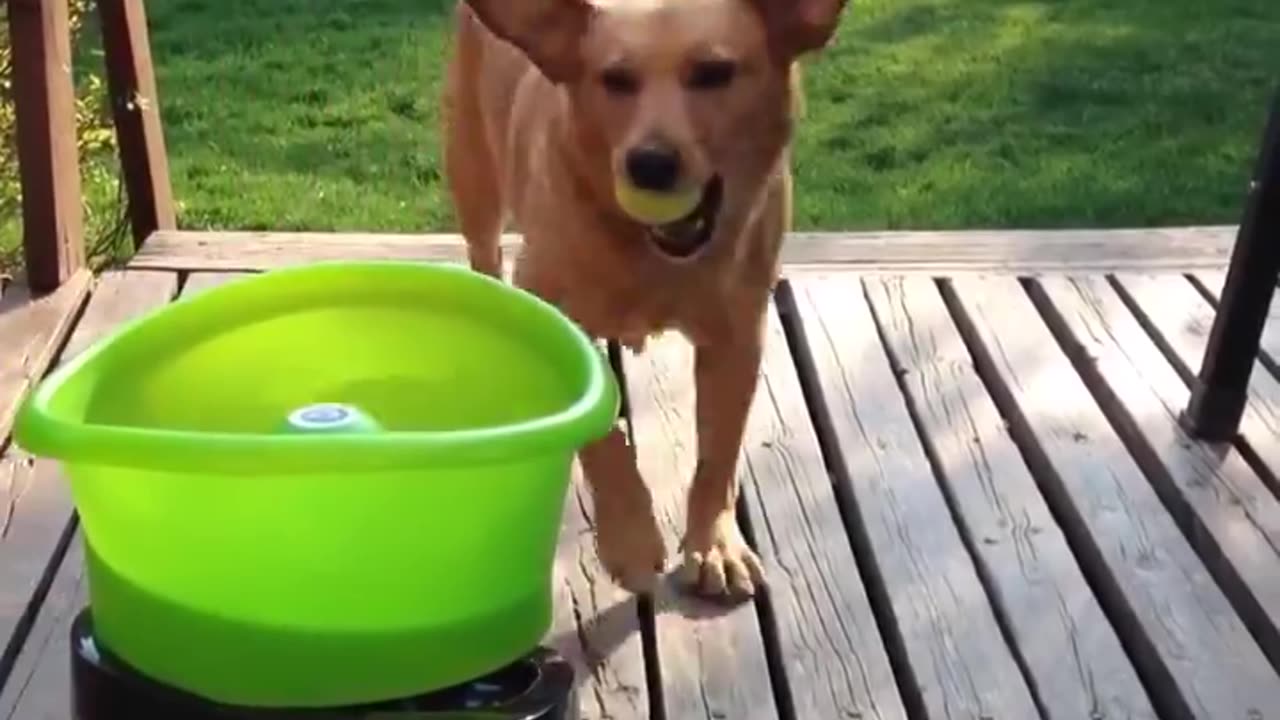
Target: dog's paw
[631,548]
[718,563]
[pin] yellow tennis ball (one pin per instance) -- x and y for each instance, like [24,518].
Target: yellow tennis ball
[655,208]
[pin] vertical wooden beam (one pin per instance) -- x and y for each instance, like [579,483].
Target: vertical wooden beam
[44,95]
[135,107]
[1220,390]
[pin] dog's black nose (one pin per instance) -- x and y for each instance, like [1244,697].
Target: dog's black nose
[653,167]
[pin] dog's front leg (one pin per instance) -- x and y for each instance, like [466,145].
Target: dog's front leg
[627,535]
[717,560]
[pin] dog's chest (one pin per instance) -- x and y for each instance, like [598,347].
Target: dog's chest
[630,315]
[631,307]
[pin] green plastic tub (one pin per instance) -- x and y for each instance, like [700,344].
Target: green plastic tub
[243,557]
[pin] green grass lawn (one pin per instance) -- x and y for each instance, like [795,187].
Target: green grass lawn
[322,114]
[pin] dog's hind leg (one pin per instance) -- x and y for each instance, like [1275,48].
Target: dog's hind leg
[470,164]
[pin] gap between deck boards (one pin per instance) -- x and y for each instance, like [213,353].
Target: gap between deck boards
[929,467]
[41,518]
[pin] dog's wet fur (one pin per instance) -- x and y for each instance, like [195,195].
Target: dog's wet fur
[548,102]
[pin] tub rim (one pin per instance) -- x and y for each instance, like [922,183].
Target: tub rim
[43,432]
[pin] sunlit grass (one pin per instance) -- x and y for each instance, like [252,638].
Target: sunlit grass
[322,114]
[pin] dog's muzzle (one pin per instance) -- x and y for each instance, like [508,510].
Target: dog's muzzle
[683,238]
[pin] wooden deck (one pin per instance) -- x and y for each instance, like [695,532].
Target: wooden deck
[963,469]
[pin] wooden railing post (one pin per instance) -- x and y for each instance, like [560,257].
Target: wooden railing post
[136,111]
[44,99]
[1221,388]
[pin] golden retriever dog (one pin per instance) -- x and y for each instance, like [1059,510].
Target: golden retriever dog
[559,114]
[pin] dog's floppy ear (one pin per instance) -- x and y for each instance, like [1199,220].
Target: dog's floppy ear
[547,31]
[799,26]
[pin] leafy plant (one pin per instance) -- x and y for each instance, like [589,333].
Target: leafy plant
[105,228]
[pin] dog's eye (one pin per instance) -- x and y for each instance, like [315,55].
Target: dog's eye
[711,74]
[620,81]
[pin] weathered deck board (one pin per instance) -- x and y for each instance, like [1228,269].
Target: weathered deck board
[34,524]
[31,334]
[1026,563]
[1211,284]
[830,647]
[120,296]
[40,686]
[1196,656]
[201,281]
[1180,319]
[1174,248]
[959,661]
[1229,515]
[40,507]
[1212,281]
[1113,481]
[596,624]
[711,658]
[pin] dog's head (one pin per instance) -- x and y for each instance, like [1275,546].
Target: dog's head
[681,98]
